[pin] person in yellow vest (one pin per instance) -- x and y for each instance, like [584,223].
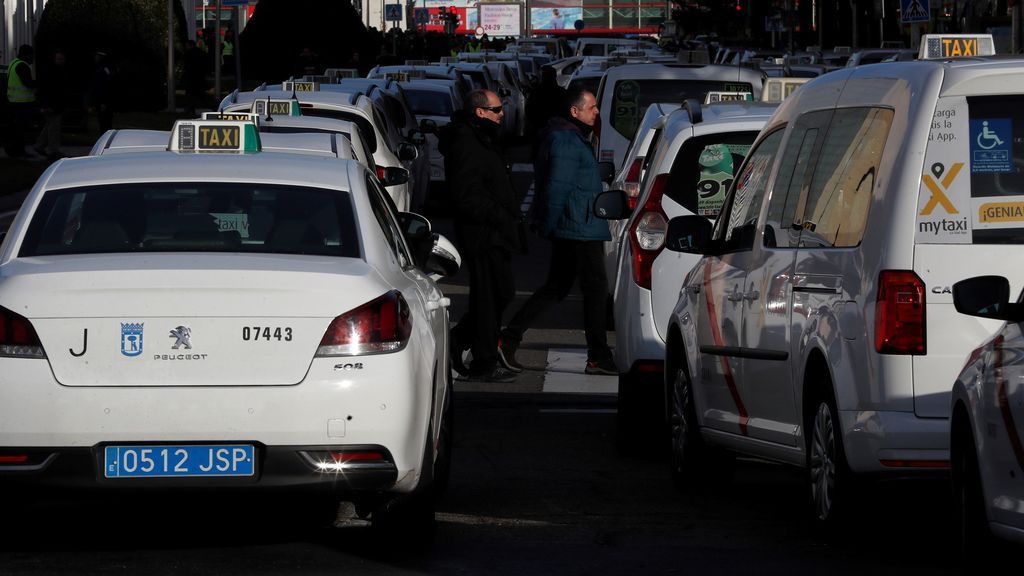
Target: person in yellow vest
[227,50]
[21,98]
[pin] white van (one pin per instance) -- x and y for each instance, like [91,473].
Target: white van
[626,91]
[818,329]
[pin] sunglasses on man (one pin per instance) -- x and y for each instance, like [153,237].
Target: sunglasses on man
[493,109]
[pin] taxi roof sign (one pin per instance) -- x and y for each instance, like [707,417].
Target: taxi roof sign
[271,107]
[717,96]
[943,46]
[300,86]
[217,136]
[320,78]
[417,63]
[778,89]
[341,73]
[232,116]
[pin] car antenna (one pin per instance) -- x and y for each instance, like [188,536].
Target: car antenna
[269,117]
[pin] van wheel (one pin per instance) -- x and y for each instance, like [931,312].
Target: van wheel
[827,472]
[687,447]
[973,535]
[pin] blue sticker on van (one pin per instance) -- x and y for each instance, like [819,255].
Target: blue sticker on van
[992,145]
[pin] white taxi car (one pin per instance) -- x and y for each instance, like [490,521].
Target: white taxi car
[217,316]
[987,422]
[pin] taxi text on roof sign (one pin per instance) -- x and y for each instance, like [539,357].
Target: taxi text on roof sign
[303,86]
[716,96]
[272,107]
[778,89]
[342,73]
[214,136]
[941,46]
[232,116]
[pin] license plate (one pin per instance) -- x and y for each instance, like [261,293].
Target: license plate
[179,461]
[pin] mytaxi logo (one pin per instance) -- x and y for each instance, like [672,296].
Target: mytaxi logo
[939,197]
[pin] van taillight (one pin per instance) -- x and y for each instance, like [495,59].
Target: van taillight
[18,339]
[631,186]
[647,233]
[381,325]
[380,173]
[900,313]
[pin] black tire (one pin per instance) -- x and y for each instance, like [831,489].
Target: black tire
[973,534]
[688,448]
[828,475]
[443,460]
[641,414]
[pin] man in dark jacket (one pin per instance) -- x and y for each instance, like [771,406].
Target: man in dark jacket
[487,228]
[567,183]
[53,95]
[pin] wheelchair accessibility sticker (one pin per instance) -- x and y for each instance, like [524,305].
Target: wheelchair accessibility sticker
[992,145]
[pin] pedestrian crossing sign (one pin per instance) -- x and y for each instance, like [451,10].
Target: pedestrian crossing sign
[915,11]
[393,12]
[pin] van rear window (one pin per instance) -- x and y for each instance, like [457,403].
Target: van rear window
[972,188]
[630,98]
[704,169]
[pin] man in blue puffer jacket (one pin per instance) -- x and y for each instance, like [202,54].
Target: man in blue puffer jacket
[567,182]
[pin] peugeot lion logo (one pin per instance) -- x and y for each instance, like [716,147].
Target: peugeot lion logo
[183,337]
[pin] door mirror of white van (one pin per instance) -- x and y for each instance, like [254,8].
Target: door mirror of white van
[612,205]
[407,152]
[986,297]
[607,171]
[689,234]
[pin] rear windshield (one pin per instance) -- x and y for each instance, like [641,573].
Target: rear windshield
[365,127]
[429,103]
[972,188]
[704,169]
[631,98]
[193,217]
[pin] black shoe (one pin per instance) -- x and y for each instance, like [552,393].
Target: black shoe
[496,375]
[602,367]
[507,354]
[455,359]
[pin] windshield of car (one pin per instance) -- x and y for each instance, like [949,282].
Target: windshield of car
[193,217]
[631,97]
[429,103]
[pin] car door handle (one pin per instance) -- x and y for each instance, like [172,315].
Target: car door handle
[751,296]
[734,296]
[694,289]
[439,303]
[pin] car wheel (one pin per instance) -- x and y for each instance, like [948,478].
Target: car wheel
[443,460]
[641,416]
[973,533]
[687,447]
[409,517]
[827,471]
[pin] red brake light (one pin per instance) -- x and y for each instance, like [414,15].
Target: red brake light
[380,173]
[381,325]
[18,339]
[647,233]
[631,186]
[900,313]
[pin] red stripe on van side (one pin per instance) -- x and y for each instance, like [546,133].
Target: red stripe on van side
[1004,404]
[716,335]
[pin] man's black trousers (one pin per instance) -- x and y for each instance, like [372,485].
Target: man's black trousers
[491,288]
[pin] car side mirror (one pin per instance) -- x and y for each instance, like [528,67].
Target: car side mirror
[428,126]
[394,175]
[607,171]
[417,138]
[444,259]
[689,234]
[986,297]
[612,205]
[407,152]
[416,230]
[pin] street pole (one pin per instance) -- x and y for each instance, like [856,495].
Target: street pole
[170,56]
[1015,27]
[821,25]
[881,27]
[238,51]
[216,57]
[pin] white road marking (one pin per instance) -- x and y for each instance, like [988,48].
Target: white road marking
[564,374]
[522,167]
[527,200]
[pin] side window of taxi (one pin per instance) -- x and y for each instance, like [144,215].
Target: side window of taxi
[795,168]
[383,211]
[835,211]
[744,205]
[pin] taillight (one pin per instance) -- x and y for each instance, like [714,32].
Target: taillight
[647,233]
[380,173]
[900,313]
[379,326]
[631,186]
[18,339]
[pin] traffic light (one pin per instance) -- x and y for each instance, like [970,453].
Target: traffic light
[451,19]
[739,5]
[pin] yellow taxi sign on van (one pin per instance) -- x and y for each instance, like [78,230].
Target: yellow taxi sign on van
[718,96]
[214,136]
[778,89]
[943,46]
[271,107]
[232,117]
[301,86]
[337,73]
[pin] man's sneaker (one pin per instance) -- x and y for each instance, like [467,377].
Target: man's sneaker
[602,367]
[455,359]
[496,375]
[507,355]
